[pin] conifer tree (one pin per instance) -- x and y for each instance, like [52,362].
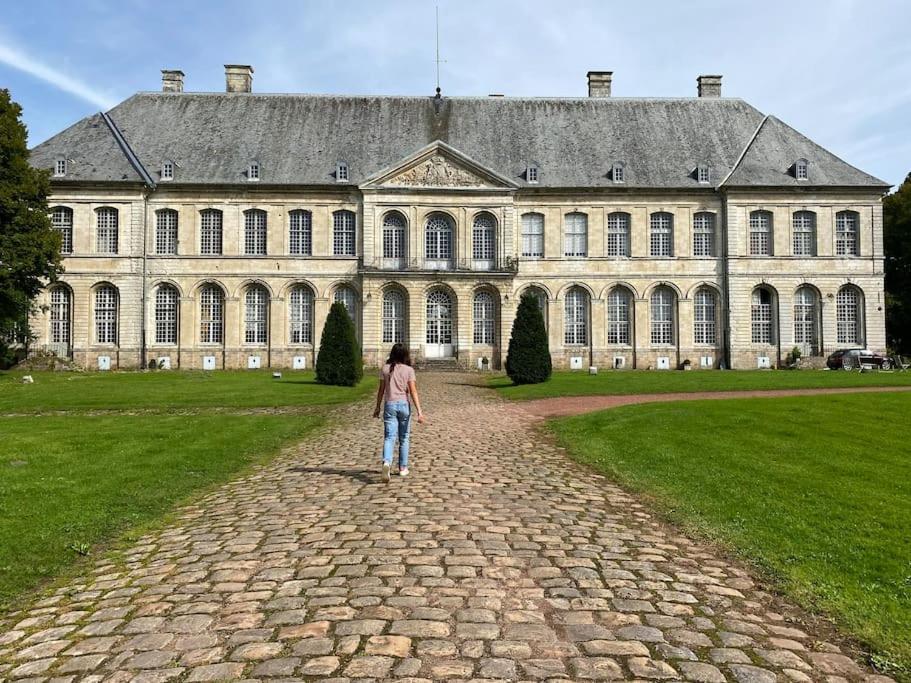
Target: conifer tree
[528,358]
[339,360]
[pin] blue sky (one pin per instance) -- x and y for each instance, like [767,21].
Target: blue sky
[836,70]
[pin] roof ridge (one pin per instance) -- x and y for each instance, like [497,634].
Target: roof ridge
[745,150]
[127,150]
[484,98]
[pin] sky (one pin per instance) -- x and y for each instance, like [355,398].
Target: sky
[839,71]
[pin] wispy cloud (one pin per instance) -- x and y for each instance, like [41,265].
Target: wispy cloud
[23,62]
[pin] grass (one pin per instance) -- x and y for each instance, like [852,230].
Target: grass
[816,491]
[654,382]
[75,482]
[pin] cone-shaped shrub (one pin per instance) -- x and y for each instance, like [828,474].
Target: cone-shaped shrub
[339,361]
[528,358]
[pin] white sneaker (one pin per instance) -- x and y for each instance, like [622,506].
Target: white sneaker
[403,472]
[386,471]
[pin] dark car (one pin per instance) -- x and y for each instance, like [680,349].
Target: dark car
[852,359]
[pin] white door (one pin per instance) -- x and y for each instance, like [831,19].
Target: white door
[439,326]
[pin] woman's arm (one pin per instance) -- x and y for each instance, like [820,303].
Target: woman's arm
[413,390]
[380,391]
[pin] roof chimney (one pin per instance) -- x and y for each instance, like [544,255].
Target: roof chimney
[709,86]
[238,78]
[171,80]
[599,83]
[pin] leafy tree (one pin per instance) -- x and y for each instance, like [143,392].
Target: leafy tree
[339,361]
[897,243]
[528,358]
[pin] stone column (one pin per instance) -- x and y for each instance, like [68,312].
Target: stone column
[643,334]
[278,333]
[598,331]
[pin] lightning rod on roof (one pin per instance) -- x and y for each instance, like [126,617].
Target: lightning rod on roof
[438,60]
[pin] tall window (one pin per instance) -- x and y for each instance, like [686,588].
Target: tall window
[166,315]
[253,171]
[393,317]
[848,316]
[347,296]
[211,315]
[575,324]
[761,317]
[106,229]
[341,172]
[394,238]
[210,234]
[438,240]
[618,234]
[484,318]
[760,233]
[704,317]
[661,236]
[805,317]
[618,316]
[255,232]
[300,236]
[301,315]
[847,242]
[575,241]
[662,312]
[62,222]
[60,168]
[166,231]
[106,315]
[483,241]
[540,297]
[804,231]
[532,235]
[343,233]
[256,315]
[703,174]
[617,173]
[167,170]
[61,307]
[801,169]
[704,234]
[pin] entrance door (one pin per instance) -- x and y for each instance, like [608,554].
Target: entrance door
[439,325]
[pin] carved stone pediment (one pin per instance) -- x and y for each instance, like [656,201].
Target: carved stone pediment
[437,171]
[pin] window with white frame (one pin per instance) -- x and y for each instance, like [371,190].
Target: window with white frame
[803,224]
[618,174]
[533,235]
[618,234]
[106,230]
[618,316]
[166,315]
[801,169]
[540,297]
[661,234]
[253,171]
[60,168]
[166,231]
[761,316]
[393,317]
[256,315]
[702,174]
[211,315]
[167,170]
[301,315]
[848,317]
[703,234]
[704,316]
[438,238]
[847,242]
[348,297]
[484,318]
[760,233]
[483,240]
[394,236]
[343,233]
[806,330]
[106,315]
[300,232]
[531,174]
[341,172]
[575,239]
[61,311]
[662,316]
[255,232]
[62,222]
[575,312]
[210,232]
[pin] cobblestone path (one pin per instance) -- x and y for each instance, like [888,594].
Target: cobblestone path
[496,559]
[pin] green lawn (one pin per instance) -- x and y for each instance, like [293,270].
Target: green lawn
[655,382]
[814,490]
[78,481]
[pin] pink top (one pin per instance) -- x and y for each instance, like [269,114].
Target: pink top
[397,382]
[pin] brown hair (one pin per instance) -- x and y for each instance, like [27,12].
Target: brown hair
[398,355]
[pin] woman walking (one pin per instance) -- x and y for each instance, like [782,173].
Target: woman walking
[397,386]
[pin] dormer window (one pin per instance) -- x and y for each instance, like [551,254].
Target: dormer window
[341,172]
[253,171]
[617,173]
[60,168]
[531,174]
[801,169]
[167,170]
[702,174]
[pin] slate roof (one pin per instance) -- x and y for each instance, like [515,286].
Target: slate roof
[297,139]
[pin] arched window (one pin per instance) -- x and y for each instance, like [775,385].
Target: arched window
[343,233]
[166,231]
[575,324]
[760,233]
[211,315]
[483,241]
[347,296]
[210,233]
[804,227]
[438,241]
[300,236]
[393,317]
[661,236]
[485,319]
[704,234]
[532,235]
[806,332]
[255,232]
[166,315]
[618,316]
[106,231]
[256,315]
[575,241]
[704,325]
[62,222]
[540,297]
[106,315]
[394,240]
[618,234]
[61,312]
[847,234]
[662,312]
[301,315]
[762,316]
[849,316]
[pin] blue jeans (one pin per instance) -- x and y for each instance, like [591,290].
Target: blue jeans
[396,421]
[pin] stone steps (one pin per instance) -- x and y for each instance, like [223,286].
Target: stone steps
[439,365]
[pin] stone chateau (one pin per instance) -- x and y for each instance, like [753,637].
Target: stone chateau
[211,230]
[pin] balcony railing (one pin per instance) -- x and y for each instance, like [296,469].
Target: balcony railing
[508,265]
